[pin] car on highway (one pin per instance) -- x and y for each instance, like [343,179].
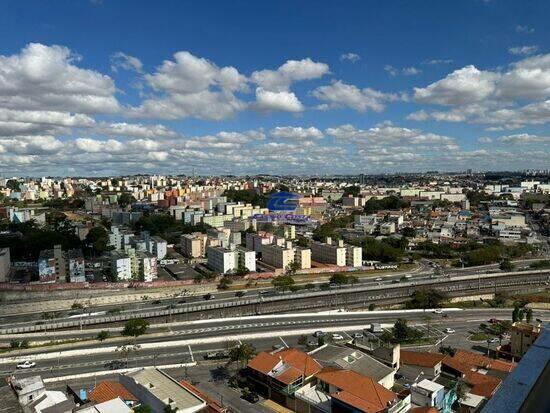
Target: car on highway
[318,334]
[336,336]
[357,335]
[277,347]
[116,364]
[494,321]
[378,279]
[27,364]
[395,281]
[493,340]
[313,343]
[438,311]
[240,293]
[182,301]
[449,330]
[216,355]
[208,296]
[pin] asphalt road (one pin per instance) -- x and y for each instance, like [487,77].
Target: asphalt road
[463,322]
[423,272]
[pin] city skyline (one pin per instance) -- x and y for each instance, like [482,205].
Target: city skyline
[97,88]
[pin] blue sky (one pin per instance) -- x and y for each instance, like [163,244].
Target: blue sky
[307,87]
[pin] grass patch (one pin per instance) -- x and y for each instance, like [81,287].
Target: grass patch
[479,336]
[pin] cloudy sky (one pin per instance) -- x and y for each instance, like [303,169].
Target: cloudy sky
[97,87]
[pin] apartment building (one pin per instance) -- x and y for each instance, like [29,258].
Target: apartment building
[255,242]
[278,256]
[302,256]
[75,266]
[46,266]
[354,256]
[329,253]
[5,264]
[522,337]
[225,260]
[121,265]
[194,245]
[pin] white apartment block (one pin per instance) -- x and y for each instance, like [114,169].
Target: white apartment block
[354,256]
[246,259]
[278,256]
[224,260]
[302,256]
[121,266]
[5,264]
[337,254]
[221,259]
[328,253]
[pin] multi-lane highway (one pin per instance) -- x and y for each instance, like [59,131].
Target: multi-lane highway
[189,342]
[355,296]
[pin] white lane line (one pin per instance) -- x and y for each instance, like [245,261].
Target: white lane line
[350,337]
[284,343]
[191,353]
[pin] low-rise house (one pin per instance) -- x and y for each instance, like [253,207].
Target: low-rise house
[413,363]
[427,393]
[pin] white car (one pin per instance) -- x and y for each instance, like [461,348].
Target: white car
[378,279]
[493,340]
[337,337]
[449,331]
[27,364]
[357,335]
[438,311]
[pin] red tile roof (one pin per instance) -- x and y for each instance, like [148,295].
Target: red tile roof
[421,358]
[109,390]
[479,360]
[300,360]
[481,384]
[357,390]
[263,362]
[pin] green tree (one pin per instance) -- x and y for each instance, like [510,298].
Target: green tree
[506,265]
[426,298]
[339,278]
[242,353]
[515,314]
[97,239]
[283,282]
[224,283]
[135,327]
[102,335]
[292,268]
[125,199]
[409,232]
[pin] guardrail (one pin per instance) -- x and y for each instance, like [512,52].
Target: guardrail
[379,292]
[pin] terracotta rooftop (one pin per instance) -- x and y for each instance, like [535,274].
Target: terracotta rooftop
[479,360]
[357,390]
[299,360]
[481,384]
[421,358]
[109,390]
[263,362]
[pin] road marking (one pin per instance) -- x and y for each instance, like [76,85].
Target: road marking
[284,343]
[191,354]
[350,337]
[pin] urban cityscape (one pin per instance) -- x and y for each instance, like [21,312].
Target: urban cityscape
[300,207]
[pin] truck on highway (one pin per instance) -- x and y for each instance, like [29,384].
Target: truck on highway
[375,328]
